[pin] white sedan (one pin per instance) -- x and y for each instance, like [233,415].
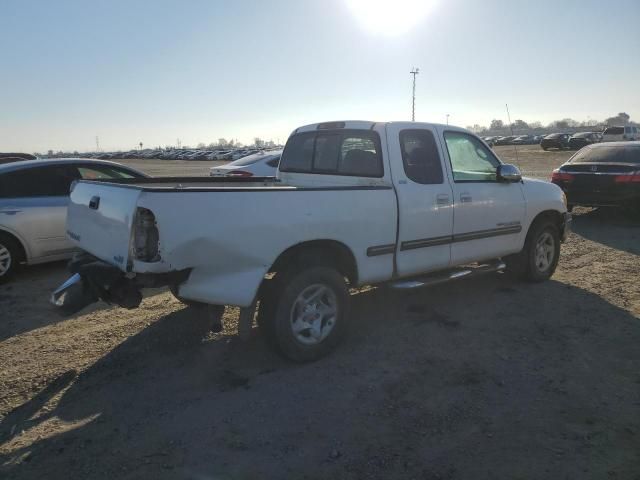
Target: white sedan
[261,164]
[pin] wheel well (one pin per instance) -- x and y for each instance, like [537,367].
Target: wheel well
[548,215]
[16,240]
[319,252]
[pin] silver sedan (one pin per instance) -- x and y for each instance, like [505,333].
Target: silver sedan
[33,207]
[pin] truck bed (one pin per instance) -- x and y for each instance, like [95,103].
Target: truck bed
[222,184]
[198,183]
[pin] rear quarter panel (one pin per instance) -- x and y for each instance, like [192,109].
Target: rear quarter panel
[231,239]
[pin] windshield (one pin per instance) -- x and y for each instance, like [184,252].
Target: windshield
[617,154]
[614,131]
[582,135]
[554,135]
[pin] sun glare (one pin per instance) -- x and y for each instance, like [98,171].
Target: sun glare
[390,17]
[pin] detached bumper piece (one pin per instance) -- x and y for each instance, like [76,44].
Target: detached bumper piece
[94,280]
[566,226]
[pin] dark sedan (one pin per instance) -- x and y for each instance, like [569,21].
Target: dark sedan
[505,140]
[555,140]
[582,139]
[602,174]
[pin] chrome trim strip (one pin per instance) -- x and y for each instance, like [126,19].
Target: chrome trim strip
[461,237]
[381,250]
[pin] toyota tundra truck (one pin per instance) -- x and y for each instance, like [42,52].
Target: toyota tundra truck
[353,203]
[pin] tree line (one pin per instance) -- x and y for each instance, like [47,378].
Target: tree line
[496,125]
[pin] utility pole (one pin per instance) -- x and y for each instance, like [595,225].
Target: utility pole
[415,71]
[97,143]
[511,129]
[447,119]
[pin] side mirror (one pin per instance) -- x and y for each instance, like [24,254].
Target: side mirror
[508,173]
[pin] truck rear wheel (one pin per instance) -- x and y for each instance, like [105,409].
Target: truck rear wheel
[304,314]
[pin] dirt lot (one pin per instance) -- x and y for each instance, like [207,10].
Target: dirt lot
[485,378]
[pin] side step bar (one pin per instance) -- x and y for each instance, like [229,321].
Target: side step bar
[448,275]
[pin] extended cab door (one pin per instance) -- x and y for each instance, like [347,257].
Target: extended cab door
[425,202]
[488,214]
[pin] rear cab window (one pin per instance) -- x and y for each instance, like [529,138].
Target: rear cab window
[336,152]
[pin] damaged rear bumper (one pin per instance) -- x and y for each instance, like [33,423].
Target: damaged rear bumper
[94,279]
[566,226]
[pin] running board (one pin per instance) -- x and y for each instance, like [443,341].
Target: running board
[448,275]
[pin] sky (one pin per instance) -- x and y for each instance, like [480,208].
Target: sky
[156,71]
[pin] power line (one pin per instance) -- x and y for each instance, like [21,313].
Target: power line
[415,71]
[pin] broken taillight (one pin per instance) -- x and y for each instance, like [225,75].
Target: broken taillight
[146,239]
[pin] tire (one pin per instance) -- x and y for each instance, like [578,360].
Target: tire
[190,303]
[10,257]
[538,259]
[304,313]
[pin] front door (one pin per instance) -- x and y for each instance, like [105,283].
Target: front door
[425,201]
[488,214]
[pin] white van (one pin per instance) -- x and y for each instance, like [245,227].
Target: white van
[618,134]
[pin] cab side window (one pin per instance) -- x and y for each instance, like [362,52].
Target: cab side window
[102,172]
[420,157]
[471,160]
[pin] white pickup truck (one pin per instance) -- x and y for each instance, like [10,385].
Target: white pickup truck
[354,203]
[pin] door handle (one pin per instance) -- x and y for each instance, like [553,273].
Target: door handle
[94,203]
[465,197]
[442,199]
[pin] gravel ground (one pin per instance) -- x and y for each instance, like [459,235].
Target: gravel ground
[484,378]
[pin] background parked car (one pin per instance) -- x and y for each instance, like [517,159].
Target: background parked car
[582,139]
[602,174]
[505,140]
[618,134]
[262,164]
[523,140]
[15,157]
[555,140]
[33,207]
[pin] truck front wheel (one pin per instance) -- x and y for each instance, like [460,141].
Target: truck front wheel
[305,314]
[539,258]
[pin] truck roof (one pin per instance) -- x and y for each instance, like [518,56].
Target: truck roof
[363,125]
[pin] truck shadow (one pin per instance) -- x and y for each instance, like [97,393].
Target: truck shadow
[175,402]
[609,226]
[24,302]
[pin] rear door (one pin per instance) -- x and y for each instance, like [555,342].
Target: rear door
[425,201]
[34,205]
[488,214]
